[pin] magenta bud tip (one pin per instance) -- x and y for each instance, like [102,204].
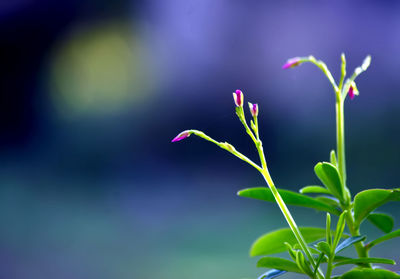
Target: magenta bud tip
[181,136]
[238,98]
[253,109]
[293,62]
[351,93]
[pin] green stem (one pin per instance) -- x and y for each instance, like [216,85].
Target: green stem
[228,147]
[329,268]
[242,118]
[324,69]
[360,248]
[256,125]
[340,138]
[361,251]
[343,72]
[264,171]
[285,210]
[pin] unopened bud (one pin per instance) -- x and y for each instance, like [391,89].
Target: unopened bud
[353,90]
[238,98]
[182,136]
[253,109]
[292,62]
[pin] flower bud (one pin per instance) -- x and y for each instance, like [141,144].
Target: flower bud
[182,136]
[253,109]
[238,98]
[353,90]
[292,62]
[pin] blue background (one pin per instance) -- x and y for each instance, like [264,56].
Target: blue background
[92,92]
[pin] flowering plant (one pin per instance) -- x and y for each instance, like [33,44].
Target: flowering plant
[315,252]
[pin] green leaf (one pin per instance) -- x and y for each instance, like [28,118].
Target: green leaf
[291,251]
[336,259]
[365,273]
[367,201]
[329,176]
[278,263]
[311,248]
[329,200]
[314,189]
[273,273]
[318,263]
[303,264]
[340,259]
[274,242]
[339,229]
[324,247]
[289,197]
[388,236]
[365,261]
[333,158]
[328,229]
[349,241]
[383,221]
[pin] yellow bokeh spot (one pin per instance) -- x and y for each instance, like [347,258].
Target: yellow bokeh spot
[98,70]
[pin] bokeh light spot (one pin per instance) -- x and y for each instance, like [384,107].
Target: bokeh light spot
[98,70]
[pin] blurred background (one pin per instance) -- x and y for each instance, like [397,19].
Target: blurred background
[93,91]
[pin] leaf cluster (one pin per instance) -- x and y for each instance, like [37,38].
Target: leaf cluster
[326,244]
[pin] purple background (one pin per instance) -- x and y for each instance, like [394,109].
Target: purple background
[92,92]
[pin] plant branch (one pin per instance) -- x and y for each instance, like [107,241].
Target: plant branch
[285,211]
[327,73]
[228,147]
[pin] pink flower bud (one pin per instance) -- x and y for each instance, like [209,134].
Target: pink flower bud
[253,109]
[238,98]
[292,62]
[181,136]
[351,92]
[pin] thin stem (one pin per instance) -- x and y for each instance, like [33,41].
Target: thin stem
[264,171]
[256,125]
[262,156]
[242,118]
[324,69]
[329,268]
[244,158]
[285,210]
[361,251]
[360,248]
[228,147]
[356,73]
[343,72]
[340,139]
